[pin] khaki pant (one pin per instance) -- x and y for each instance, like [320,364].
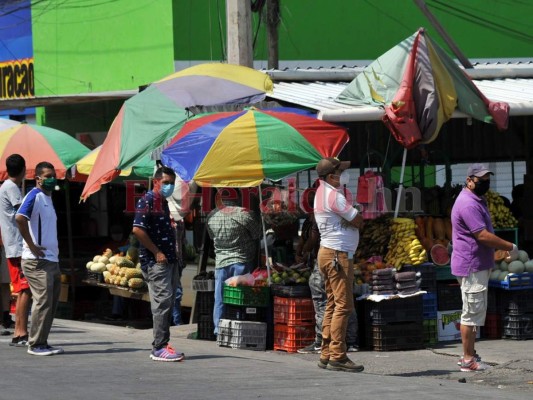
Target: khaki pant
[44,278]
[339,306]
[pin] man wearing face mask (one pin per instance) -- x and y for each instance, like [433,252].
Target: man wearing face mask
[339,224]
[474,243]
[37,221]
[157,251]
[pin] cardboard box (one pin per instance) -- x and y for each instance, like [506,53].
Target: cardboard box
[63,296]
[449,325]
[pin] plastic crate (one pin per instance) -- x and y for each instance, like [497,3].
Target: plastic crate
[203,285]
[95,276]
[206,328]
[247,335]
[515,282]
[292,311]
[444,273]
[518,327]
[449,296]
[515,302]
[245,313]
[430,305]
[493,326]
[408,309]
[205,303]
[428,272]
[430,332]
[291,338]
[399,336]
[298,291]
[258,296]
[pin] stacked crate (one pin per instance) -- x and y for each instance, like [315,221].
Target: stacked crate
[428,272]
[395,324]
[294,323]
[516,310]
[205,302]
[243,325]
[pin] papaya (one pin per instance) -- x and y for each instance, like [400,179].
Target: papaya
[438,229]
[429,228]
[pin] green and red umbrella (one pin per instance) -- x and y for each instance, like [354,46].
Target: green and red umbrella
[240,149]
[39,143]
[150,118]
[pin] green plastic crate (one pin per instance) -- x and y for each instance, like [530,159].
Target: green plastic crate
[444,273]
[430,332]
[258,296]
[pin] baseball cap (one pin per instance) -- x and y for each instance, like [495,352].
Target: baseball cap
[478,170]
[330,164]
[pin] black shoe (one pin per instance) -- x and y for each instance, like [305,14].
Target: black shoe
[19,341]
[345,365]
[323,363]
[311,349]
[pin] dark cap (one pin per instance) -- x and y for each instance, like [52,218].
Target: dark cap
[478,170]
[330,164]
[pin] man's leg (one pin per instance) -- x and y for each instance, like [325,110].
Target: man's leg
[325,261]
[318,294]
[221,274]
[21,315]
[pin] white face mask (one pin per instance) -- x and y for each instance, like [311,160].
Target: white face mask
[344,179]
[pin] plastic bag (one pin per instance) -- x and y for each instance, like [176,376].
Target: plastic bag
[240,280]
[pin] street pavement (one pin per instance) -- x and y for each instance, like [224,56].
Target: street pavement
[103,361]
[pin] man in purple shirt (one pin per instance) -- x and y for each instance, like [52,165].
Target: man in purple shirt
[474,243]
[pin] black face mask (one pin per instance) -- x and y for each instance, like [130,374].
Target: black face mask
[482,187]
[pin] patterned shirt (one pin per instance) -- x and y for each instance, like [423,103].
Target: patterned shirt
[152,215]
[235,233]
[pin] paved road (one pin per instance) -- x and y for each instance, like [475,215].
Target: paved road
[111,362]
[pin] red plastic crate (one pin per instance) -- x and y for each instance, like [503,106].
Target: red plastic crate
[493,326]
[293,311]
[291,338]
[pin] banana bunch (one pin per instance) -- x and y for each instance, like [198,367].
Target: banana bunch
[500,215]
[404,246]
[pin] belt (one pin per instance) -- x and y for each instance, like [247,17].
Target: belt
[349,254]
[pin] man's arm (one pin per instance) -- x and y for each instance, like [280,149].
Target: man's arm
[24,229]
[491,240]
[147,242]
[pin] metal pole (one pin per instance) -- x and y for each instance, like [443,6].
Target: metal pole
[264,237]
[400,186]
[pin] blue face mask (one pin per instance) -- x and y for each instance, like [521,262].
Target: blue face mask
[167,190]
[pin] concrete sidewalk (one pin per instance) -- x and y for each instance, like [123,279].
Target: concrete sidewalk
[112,362]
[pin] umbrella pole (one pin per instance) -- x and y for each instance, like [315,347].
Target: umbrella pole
[264,237]
[69,238]
[400,186]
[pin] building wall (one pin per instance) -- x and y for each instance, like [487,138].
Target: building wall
[357,29]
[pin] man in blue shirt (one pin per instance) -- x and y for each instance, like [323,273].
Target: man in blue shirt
[157,251]
[37,222]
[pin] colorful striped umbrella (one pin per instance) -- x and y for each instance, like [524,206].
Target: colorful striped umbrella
[144,168]
[38,143]
[240,149]
[150,118]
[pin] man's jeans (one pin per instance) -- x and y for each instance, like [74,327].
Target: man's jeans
[221,274]
[176,310]
[162,280]
[318,293]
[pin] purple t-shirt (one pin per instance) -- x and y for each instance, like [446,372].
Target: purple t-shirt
[470,215]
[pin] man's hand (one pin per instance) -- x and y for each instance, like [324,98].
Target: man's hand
[512,254]
[160,258]
[38,251]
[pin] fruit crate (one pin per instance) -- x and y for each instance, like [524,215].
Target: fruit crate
[428,272]
[245,313]
[430,332]
[518,327]
[205,303]
[449,296]
[444,273]
[291,338]
[398,336]
[515,282]
[298,291]
[408,309]
[493,326]
[293,311]
[430,305]
[247,335]
[203,285]
[510,301]
[206,328]
[258,296]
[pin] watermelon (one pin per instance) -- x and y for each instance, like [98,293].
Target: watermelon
[516,267]
[523,256]
[529,266]
[504,266]
[439,255]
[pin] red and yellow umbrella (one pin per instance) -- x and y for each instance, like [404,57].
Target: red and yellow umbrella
[39,143]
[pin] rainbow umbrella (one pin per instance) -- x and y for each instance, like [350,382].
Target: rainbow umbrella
[7,123]
[152,117]
[240,149]
[38,143]
[144,168]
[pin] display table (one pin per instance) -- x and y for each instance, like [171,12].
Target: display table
[121,291]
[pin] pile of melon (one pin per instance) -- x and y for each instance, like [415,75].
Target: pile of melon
[520,265]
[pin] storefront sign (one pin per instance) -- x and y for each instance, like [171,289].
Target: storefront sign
[16,79]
